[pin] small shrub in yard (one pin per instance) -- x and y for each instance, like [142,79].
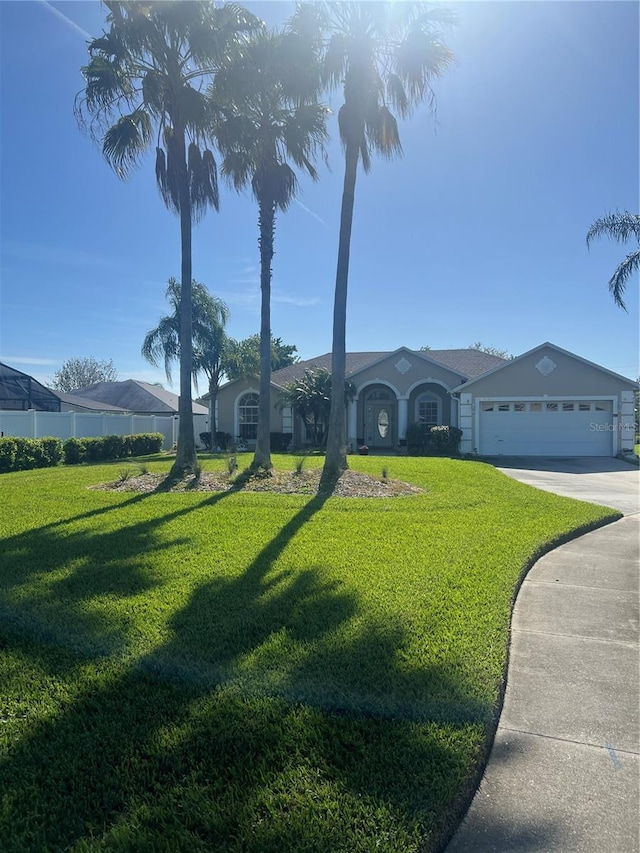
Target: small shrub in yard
[52,448]
[223,440]
[299,464]
[444,440]
[104,448]
[72,451]
[280,441]
[23,454]
[8,449]
[115,446]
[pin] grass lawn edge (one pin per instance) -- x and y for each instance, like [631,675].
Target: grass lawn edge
[467,796]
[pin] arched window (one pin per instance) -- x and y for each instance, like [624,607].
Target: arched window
[248,416]
[428,410]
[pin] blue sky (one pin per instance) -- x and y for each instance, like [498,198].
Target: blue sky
[477,233]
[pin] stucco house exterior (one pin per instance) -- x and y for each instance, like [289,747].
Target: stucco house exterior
[545,402]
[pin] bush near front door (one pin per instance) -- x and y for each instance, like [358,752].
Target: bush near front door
[423,440]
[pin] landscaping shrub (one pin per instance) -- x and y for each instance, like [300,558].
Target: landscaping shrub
[72,451]
[423,440]
[444,440]
[104,448]
[23,454]
[115,446]
[280,441]
[145,443]
[7,454]
[52,449]
[416,437]
[223,440]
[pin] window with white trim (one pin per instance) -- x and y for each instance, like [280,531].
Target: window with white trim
[248,415]
[428,410]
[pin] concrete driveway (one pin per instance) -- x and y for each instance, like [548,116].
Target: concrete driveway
[595,479]
[564,771]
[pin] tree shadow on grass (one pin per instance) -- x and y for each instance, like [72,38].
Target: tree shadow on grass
[275,725]
[50,575]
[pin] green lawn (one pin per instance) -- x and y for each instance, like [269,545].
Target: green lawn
[255,672]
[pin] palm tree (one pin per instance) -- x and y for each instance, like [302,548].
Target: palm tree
[310,398]
[209,317]
[143,84]
[621,227]
[267,121]
[385,56]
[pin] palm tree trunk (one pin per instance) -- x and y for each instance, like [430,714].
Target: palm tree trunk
[186,459]
[336,457]
[266,223]
[213,398]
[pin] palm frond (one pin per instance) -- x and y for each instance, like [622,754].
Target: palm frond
[203,180]
[168,171]
[397,95]
[106,83]
[620,226]
[162,344]
[383,134]
[126,142]
[154,91]
[618,281]
[237,168]
[420,59]
[335,63]
[275,185]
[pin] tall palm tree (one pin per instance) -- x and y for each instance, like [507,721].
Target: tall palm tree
[620,226]
[384,56]
[209,316]
[143,84]
[268,121]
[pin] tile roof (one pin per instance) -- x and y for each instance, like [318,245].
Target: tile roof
[136,396]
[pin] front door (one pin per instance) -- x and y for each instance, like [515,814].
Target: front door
[380,426]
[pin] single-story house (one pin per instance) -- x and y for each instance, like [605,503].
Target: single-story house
[141,398]
[546,402]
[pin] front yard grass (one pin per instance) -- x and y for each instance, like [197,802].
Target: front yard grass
[255,672]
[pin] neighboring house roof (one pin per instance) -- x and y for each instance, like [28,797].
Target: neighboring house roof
[88,404]
[579,358]
[20,392]
[136,396]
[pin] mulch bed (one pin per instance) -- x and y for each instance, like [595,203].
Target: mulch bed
[351,484]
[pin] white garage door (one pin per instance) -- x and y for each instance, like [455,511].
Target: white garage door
[547,428]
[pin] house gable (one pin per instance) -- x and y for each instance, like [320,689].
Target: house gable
[404,369]
[546,370]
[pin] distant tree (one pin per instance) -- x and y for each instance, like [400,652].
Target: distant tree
[77,373]
[425,348]
[621,227]
[209,316]
[310,398]
[243,357]
[500,353]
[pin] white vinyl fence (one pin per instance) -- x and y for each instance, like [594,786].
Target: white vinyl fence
[65,425]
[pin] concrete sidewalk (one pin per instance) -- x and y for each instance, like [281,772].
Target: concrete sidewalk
[564,771]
